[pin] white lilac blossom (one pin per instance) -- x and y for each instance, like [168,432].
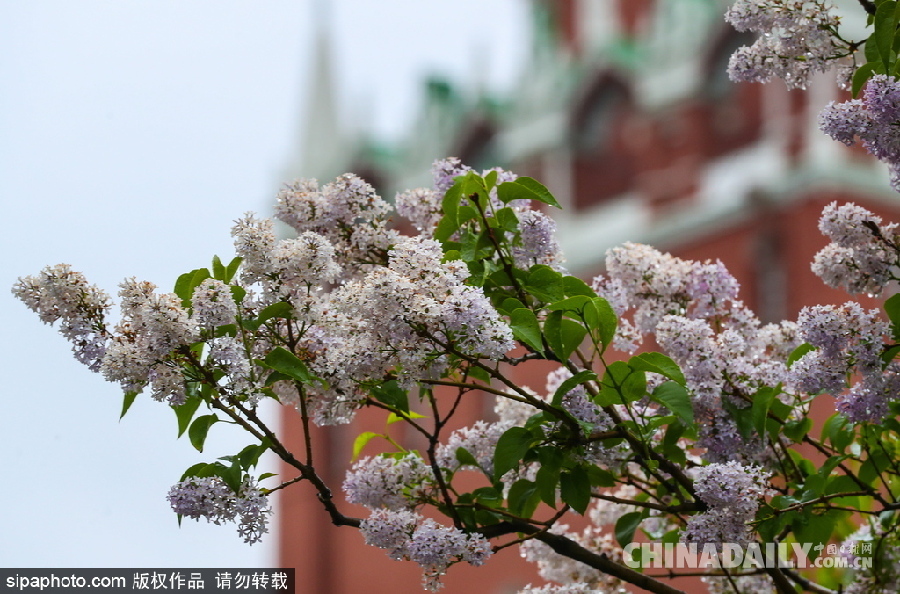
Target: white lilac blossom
[422,207]
[539,245]
[515,412]
[861,257]
[213,304]
[732,491]
[390,530]
[167,384]
[348,212]
[882,574]
[211,498]
[480,440]
[739,584]
[847,340]
[405,315]
[60,294]
[444,172]
[873,119]
[152,326]
[655,284]
[230,355]
[406,535]
[386,482]
[564,570]
[569,589]
[254,240]
[796,39]
[733,364]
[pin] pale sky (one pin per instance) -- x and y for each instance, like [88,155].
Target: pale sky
[132,134]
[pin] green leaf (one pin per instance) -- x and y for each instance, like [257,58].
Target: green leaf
[187,282]
[238,293]
[575,489]
[797,430]
[759,410]
[281,309]
[511,304]
[450,203]
[571,304]
[232,268]
[395,418]
[218,268]
[572,286]
[606,321]
[465,457]
[547,478]
[838,431]
[892,309]
[507,219]
[862,74]
[525,188]
[585,375]
[657,363]
[392,394]
[127,402]
[673,396]
[798,353]
[563,335]
[445,229]
[185,412]
[200,470]
[523,498]
[885,27]
[544,283]
[250,455]
[526,329]
[511,448]
[490,180]
[626,526]
[479,374]
[361,440]
[199,429]
[814,528]
[286,362]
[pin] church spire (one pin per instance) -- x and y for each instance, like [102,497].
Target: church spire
[319,140]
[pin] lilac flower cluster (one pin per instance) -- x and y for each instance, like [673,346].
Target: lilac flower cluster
[574,588]
[211,498]
[152,326]
[59,293]
[882,576]
[404,315]
[732,492]
[539,245]
[229,355]
[406,535]
[347,212]
[480,440]
[873,119]
[797,38]
[862,256]
[388,482]
[566,571]
[213,305]
[655,284]
[720,345]
[847,340]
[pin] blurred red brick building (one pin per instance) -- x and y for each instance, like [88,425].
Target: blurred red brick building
[626,113]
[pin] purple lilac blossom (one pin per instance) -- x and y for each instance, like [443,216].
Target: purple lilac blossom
[795,40]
